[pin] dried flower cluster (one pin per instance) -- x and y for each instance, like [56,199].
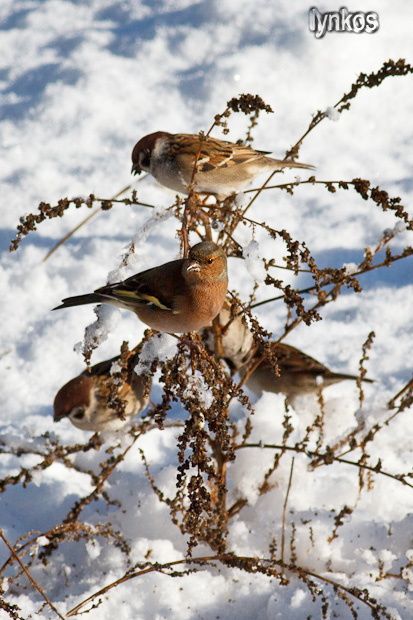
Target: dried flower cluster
[199,379]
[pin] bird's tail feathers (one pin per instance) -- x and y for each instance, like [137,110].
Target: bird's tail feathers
[297,164]
[80,300]
[342,377]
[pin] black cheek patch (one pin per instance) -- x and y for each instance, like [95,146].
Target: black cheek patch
[206,167]
[145,161]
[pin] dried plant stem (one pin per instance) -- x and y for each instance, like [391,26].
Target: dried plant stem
[78,507]
[31,579]
[255,565]
[89,217]
[132,575]
[263,186]
[285,510]
[328,460]
[236,507]
[200,506]
[391,402]
[312,289]
[71,233]
[389,68]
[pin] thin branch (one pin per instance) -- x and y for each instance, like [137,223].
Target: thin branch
[131,575]
[312,289]
[82,223]
[31,579]
[391,403]
[329,459]
[255,565]
[71,233]
[74,513]
[285,509]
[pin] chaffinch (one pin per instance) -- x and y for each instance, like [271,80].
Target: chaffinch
[299,373]
[84,399]
[177,297]
[222,167]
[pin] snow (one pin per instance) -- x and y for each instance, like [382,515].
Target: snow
[253,261]
[198,388]
[98,332]
[332,114]
[80,83]
[161,347]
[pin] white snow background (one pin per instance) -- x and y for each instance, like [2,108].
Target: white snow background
[80,82]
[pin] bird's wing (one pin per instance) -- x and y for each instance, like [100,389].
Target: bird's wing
[102,368]
[214,153]
[296,361]
[157,287]
[242,154]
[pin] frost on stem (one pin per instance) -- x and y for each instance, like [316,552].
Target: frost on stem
[350,268]
[129,259]
[332,113]
[97,332]
[254,262]
[162,347]
[199,389]
[108,316]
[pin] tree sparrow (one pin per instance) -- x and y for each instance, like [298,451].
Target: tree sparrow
[222,167]
[299,373]
[84,399]
[237,339]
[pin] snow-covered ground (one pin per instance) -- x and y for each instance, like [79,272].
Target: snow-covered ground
[81,81]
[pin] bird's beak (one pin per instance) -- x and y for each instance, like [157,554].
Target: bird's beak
[136,169]
[193,266]
[60,414]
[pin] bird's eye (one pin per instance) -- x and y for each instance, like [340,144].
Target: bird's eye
[145,159]
[210,260]
[78,413]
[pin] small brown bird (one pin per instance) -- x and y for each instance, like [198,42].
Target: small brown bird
[237,339]
[222,167]
[84,399]
[177,297]
[299,373]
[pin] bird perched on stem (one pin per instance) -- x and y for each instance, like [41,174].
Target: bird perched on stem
[298,372]
[221,168]
[91,401]
[177,297]
[236,337]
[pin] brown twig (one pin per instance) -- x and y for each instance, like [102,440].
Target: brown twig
[82,223]
[254,565]
[31,579]
[285,510]
[326,459]
[199,507]
[391,403]
[71,233]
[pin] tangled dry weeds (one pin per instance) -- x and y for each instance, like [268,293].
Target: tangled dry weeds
[209,439]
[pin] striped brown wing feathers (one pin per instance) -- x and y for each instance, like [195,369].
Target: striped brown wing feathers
[242,154]
[213,153]
[294,360]
[101,368]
